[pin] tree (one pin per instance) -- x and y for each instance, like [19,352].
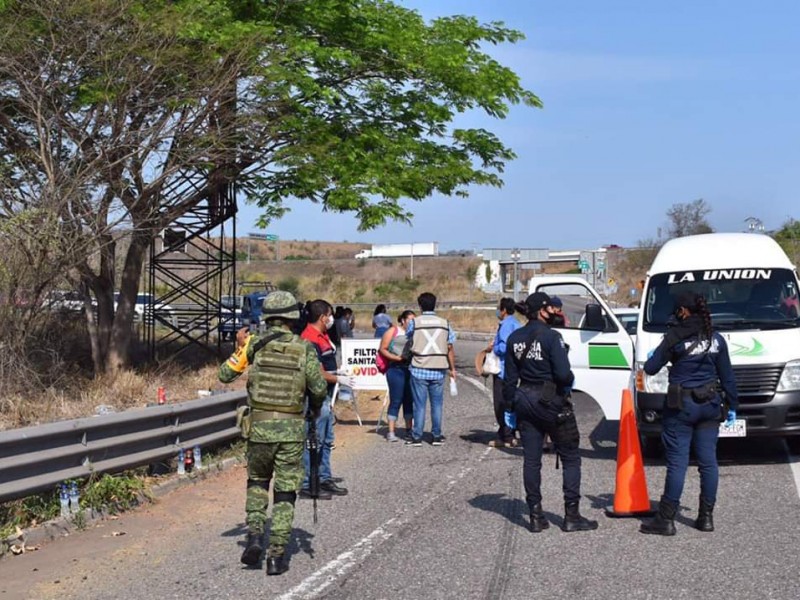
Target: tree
[788,236]
[688,219]
[122,115]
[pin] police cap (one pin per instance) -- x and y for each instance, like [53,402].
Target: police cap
[536,302]
[556,301]
[280,305]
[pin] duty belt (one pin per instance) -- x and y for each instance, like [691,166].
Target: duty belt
[533,385]
[269,415]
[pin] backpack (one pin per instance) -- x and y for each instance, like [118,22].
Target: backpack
[277,380]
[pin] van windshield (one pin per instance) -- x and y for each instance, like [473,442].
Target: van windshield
[749,298]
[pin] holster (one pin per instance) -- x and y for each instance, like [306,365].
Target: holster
[565,433]
[675,396]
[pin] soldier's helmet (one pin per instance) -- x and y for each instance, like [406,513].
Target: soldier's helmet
[280,305]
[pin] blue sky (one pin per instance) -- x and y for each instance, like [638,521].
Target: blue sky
[646,104]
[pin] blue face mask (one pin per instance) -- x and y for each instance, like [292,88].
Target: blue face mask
[497,312]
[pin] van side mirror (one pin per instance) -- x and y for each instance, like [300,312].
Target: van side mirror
[594,320]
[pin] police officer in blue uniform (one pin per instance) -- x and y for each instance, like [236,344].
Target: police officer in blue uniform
[699,358]
[536,386]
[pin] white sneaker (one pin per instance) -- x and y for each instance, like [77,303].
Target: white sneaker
[391,437]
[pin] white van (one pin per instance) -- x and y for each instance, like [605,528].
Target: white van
[752,293]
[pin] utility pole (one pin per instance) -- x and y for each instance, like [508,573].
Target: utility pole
[412,260]
[515,257]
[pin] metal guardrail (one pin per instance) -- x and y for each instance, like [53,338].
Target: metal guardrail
[37,458]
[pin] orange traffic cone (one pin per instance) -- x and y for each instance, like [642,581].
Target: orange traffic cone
[630,497]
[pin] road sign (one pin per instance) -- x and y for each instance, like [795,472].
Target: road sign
[269,237]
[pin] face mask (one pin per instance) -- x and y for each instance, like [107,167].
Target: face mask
[497,312]
[549,317]
[329,321]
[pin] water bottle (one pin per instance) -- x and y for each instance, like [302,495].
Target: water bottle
[198,458]
[181,462]
[74,498]
[63,496]
[453,387]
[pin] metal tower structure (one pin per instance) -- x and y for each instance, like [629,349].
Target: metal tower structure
[192,264]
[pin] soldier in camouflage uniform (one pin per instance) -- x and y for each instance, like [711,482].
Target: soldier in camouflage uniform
[284,369]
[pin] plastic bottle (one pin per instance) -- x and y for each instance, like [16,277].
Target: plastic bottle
[74,498]
[181,462]
[198,458]
[63,496]
[453,387]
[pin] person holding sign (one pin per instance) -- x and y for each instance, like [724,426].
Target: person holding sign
[693,410]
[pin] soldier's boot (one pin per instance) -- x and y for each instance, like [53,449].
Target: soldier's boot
[705,517]
[253,548]
[538,521]
[276,561]
[574,521]
[664,521]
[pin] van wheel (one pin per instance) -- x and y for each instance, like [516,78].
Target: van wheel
[651,446]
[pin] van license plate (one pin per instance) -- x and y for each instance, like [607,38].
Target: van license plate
[739,429]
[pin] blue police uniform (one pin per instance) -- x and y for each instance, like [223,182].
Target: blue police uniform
[537,378]
[697,365]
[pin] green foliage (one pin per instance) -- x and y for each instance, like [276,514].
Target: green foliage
[362,262]
[290,284]
[471,273]
[396,289]
[388,262]
[297,257]
[488,272]
[328,273]
[114,493]
[788,237]
[33,509]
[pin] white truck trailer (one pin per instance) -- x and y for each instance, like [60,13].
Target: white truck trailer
[394,250]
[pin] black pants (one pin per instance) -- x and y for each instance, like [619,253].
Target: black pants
[504,432]
[535,419]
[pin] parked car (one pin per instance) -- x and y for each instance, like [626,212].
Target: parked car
[252,304]
[145,303]
[63,300]
[230,320]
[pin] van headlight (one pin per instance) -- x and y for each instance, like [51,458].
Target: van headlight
[790,378]
[653,384]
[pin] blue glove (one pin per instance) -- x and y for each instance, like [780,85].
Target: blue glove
[510,419]
[568,391]
[731,420]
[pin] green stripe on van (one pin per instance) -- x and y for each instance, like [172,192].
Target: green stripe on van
[607,356]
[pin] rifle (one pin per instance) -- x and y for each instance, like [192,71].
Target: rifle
[312,445]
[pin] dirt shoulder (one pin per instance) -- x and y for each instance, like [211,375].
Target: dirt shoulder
[60,568]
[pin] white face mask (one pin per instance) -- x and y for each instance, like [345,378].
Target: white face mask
[329,321]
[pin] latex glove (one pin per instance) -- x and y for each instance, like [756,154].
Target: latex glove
[731,420]
[346,381]
[510,419]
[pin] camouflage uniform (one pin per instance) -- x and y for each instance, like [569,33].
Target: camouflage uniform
[276,425]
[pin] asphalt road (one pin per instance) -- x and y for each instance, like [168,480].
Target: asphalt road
[450,522]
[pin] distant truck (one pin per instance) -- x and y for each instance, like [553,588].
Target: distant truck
[390,250]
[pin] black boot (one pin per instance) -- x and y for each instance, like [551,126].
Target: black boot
[664,521]
[276,564]
[538,521]
[705,517]
[253,549]
[573,521]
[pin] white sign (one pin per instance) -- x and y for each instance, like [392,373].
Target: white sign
[738,429]
[358,358]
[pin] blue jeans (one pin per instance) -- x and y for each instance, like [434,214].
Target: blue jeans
[399,381]
[380,331]
[696,426]
[325,439]
[421,390]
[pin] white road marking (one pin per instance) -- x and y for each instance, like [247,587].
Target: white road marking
[478,384]
[324,577]
[794,465]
